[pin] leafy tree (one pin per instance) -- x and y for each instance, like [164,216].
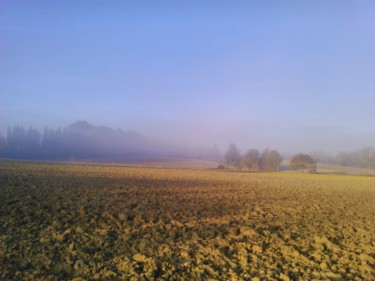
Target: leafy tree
[301,162]
[251,159]
[232,156]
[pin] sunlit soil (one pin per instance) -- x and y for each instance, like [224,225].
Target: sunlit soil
[63,222]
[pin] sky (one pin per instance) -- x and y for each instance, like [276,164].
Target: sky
[297,76]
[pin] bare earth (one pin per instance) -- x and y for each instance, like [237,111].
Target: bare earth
[81,222]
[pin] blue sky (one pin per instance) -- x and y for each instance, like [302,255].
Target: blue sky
[290,75]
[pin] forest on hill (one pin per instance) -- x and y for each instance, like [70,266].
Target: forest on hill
[83,141]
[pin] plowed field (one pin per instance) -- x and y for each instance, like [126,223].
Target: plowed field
[81,222]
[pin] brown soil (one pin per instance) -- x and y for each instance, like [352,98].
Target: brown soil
[78,222]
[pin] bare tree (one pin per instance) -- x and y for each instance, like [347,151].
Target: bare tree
[232,156]
[251,159]
[270,160]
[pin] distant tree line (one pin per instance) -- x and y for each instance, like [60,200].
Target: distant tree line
[270,160]
[83,141]
[253,160]
[21,142]
[362,158]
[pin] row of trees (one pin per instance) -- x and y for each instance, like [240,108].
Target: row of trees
[268,160]
[362,158]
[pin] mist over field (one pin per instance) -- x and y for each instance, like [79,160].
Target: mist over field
[296,77]
[84,142]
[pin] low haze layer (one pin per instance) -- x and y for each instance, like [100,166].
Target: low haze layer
[295,76]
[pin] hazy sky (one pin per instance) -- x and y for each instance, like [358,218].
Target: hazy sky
[291,75]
